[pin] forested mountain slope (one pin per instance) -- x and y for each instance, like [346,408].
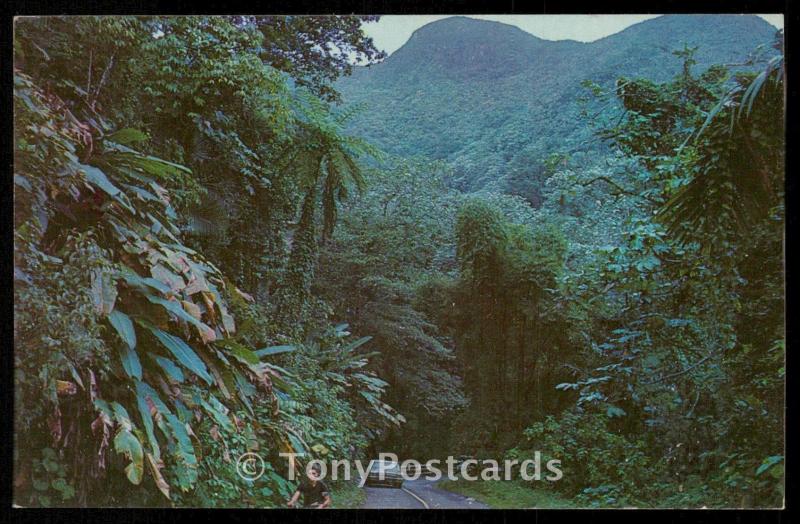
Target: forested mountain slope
[494,101]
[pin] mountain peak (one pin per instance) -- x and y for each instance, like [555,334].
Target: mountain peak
[467,24]
[462,46]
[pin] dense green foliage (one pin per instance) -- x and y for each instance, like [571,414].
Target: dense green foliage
[397,235]
[136,355]
[585,259]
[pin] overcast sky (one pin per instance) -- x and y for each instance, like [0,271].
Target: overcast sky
[392,31]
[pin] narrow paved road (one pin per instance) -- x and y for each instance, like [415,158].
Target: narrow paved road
[418,494]
[390,498]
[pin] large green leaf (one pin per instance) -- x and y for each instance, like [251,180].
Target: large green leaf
[144,391]
[184,353]
[122,323]
[99,179]
[244,386]
[120,414]
[126,443]
[149,164]
[185,458]
[274,350]
[239,351]
[279,380]
[147,420]
[177,309]
[356,343]
[127,136]
[145,195]
[174,429]
[133,279]
[218,411]
[169,278]
[372,382]
[130,362]
[170,368]
[244,389]
[768,463]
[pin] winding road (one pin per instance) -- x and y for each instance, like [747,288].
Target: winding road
[418,494]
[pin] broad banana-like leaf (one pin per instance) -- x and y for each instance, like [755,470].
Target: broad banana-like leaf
[130,362]
[126,136]
[143,283]
[170,368]
[241,352]
[218,411]
[126,443]
[356,344]
[184,353]
[147,419]
[120,414]
[174,281]
[99,179]
[122,323]
[274,350]
[184,453]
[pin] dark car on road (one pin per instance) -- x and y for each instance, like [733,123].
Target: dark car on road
[392,475]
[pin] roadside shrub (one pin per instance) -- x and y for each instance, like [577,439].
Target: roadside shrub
[600,467]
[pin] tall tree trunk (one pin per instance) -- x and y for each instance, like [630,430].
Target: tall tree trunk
[295,293]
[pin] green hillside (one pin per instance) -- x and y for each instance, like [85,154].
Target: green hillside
[494,101]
